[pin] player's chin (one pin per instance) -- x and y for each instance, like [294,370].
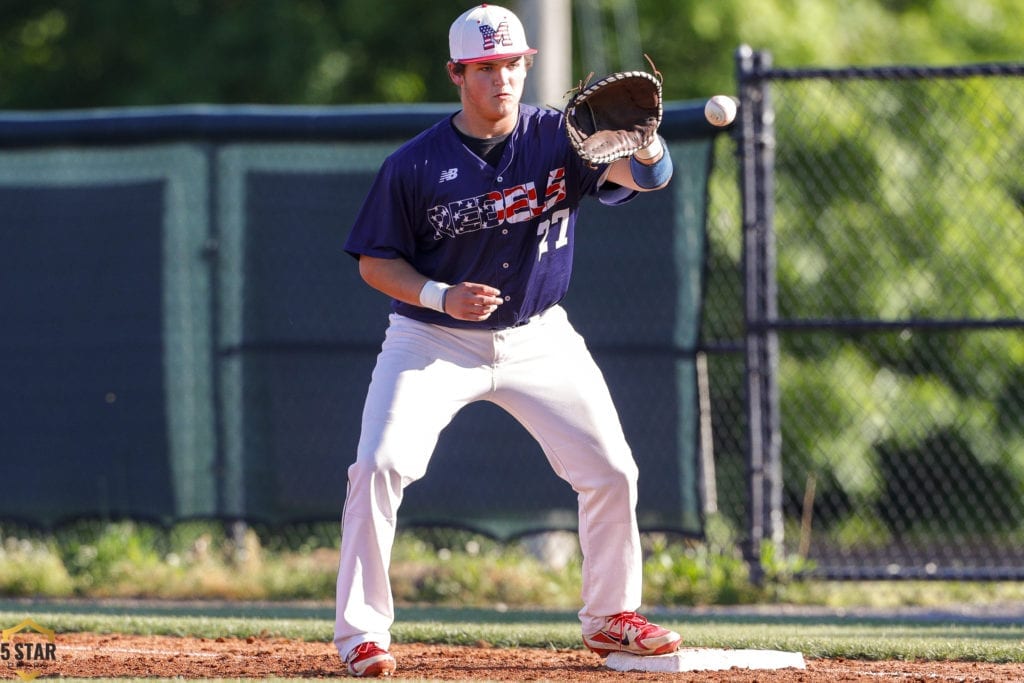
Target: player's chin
[506,103]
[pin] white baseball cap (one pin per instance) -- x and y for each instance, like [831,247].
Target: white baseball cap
[487,32]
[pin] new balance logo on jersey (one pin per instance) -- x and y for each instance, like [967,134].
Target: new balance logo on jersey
[449,174]
[516,204]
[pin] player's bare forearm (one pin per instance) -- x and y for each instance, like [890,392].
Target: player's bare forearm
[398,279]
[394,277]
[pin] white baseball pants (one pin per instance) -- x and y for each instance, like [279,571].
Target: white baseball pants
[544,376]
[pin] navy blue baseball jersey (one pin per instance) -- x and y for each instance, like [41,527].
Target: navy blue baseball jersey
[457,219]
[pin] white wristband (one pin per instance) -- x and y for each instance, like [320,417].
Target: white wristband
[651,151]
[432,295]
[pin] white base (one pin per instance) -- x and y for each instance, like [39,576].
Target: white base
[705,659]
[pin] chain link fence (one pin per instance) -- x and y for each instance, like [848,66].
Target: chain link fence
[860,365]
[863,318]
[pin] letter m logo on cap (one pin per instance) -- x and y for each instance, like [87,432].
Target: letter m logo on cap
[496,36]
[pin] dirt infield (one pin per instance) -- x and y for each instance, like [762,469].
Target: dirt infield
[119,656]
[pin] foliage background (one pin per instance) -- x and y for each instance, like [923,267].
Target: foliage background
[70,54]
[60,54]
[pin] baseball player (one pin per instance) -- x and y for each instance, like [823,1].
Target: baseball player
[469,228]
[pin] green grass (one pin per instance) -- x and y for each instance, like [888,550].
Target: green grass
[815,636]
[198,580]
[202,560]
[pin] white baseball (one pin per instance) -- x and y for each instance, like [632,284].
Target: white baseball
[720,110]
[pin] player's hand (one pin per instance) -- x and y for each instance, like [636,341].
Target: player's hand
[471,301]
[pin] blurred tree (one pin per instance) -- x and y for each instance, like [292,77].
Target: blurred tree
[58,54]
[77,53]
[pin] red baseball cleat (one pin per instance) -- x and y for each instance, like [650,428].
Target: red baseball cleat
[370,660]
[632,633]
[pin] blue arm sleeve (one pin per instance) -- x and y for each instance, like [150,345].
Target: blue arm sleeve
[655,175]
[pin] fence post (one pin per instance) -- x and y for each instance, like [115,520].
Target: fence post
[757,159]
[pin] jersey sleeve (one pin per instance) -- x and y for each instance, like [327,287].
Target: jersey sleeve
[382,227]
[612,194]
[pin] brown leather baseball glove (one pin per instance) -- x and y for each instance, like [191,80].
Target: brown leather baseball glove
[614,117]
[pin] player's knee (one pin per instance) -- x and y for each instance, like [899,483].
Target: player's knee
[377,472]
[397,467]
[393,455]
[373,491]
[364,469]
[624,478]
[617,477]
[624,469]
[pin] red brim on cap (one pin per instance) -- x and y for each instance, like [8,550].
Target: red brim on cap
[495,58]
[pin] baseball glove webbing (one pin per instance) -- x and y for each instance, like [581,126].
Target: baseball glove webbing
[616,116]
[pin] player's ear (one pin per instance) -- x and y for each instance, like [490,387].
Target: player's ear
[456,72]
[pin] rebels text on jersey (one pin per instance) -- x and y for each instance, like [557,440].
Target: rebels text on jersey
[456,219]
